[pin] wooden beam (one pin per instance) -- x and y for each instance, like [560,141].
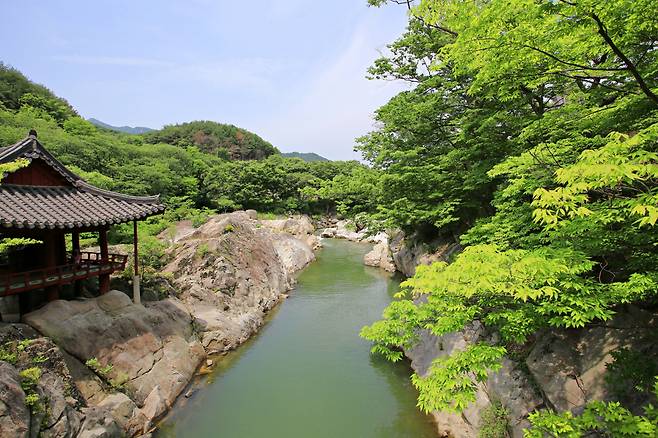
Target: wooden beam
[51,257]
[103,279]
[75,249]
[75,241]
[137,293]
[135,249]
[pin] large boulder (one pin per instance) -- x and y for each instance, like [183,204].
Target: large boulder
[408,253]
[346,229]
[328,233]
[233,269]
[570,365]
[149,349]
[380,257]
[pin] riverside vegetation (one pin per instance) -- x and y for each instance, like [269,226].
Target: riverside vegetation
[529,135]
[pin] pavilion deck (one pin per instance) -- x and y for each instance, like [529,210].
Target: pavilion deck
[91,265]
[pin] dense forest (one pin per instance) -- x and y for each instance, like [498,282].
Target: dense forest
[531,137]
[198,168]
[201,164]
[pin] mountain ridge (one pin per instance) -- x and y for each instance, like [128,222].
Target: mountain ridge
[124,129]
[306,156]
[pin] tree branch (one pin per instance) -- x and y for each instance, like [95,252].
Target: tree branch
[629,64]
[572,64]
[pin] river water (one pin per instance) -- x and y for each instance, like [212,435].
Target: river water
[307,374]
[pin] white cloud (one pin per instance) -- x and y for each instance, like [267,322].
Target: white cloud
[284,9]
[111,60]
[247,74]
[339,105]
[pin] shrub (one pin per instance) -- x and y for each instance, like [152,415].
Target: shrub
[98,368]
[202,250]
[494,421]
[8,356]
[30,378]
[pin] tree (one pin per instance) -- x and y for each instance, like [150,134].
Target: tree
[542,114]
[13,166]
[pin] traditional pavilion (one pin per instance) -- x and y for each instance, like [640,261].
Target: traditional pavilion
[45,201]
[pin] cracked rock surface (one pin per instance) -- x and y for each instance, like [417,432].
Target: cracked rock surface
[233,269]
[227,274]
[149,349]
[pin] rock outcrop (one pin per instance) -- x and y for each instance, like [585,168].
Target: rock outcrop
[510,385]
[14,414]
[408,253]
[564,370]
[233,269]
[150,351]
[38,395]
[569,366]
[108,367]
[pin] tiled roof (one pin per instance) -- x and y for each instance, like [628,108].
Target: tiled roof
[76,206]
[66,207]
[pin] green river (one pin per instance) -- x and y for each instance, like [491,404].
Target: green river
[307,374]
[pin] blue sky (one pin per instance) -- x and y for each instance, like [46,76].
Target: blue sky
[293,71]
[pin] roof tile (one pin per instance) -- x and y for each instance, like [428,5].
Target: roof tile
[76,206]
[66,207]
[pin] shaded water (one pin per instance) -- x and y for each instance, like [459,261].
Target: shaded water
[308,374]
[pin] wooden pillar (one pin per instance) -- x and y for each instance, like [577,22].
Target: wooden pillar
[52,255]
[137,295]
[62,257]
[75,249]
[75,241]
[103,279]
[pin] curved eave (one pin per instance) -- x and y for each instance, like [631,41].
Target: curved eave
[57,225]
[85,186]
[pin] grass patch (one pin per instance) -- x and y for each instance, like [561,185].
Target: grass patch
[494,421]
[267,216]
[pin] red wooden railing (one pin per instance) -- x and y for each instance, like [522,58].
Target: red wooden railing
[91,265]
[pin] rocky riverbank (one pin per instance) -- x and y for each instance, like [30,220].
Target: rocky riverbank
[559,369]
[106,367]
[380,256]
[562,370]
[393,251]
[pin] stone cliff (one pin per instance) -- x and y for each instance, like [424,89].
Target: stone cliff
[106,367]
[560,369]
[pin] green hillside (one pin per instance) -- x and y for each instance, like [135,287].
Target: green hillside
[17,90]
[224,141]
[192,165]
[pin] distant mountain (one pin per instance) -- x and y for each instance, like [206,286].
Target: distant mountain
[126,129]
[306,156]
